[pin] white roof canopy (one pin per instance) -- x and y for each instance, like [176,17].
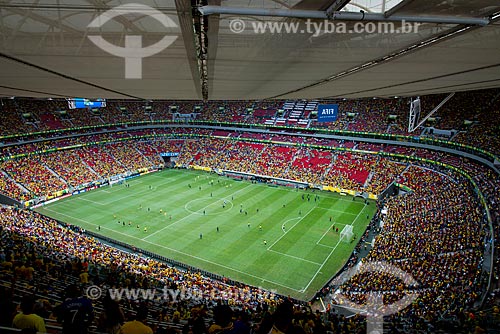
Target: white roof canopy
[45,49]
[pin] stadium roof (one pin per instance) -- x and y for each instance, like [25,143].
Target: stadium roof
[49,48]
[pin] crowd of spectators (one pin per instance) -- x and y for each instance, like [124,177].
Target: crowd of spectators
[102,163]
[357,115]
[11,119]
[485,133]
[34,176]
[46,256]
[10,188]
[310,165]
[353,171]
[366,115]
[434,233]
[69,167]
[350,171]
[128,156]
[381,180]
[463,106]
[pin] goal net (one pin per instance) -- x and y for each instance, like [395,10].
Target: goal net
[346,234]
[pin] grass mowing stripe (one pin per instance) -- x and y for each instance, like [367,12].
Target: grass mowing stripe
[321,266]
[358,215]
[333,210]
[294,257]
[205,260]
[326,232]
[169,226]
[324,262]
[237,251]
[91,201]
[135,193]
[284,234]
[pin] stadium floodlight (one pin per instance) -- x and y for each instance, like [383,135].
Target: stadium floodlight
[415,112]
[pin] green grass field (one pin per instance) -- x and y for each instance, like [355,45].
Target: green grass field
[302,251]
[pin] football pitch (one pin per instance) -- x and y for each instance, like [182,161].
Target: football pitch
[277,238]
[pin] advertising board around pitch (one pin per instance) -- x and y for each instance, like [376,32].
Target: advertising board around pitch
[328,112]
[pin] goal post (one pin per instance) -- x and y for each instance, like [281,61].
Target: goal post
[346,234]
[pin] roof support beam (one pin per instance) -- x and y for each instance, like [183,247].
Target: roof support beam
[185,15]
[431,113]
[42,19]
[341,16]
[200,29]
[126,23]
[337,5]
[397,7]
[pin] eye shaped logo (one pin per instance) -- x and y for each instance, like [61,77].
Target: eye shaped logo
[133,52]
[374,308]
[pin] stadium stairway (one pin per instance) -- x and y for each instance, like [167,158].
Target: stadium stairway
[90,168]
[145,157]
[368,179]
[53,172]
[107,150]
[327,170]
[7,175]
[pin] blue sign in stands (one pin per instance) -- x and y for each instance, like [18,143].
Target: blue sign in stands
[169,154]
[328,112]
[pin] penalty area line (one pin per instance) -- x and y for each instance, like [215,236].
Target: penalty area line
[285,232]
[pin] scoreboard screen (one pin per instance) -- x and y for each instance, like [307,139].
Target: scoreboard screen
[80,103]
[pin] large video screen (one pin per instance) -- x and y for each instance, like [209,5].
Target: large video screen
[79,103]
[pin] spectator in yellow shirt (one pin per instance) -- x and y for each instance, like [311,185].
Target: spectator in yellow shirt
[27,319]
[137,326]
[84,277]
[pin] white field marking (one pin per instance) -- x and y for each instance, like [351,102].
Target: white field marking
[321,192]
[183,253]
[156,176]
[333,210]
[218,200]
[328,230]
[298,221]
[117,189]
[363,209]
[325,246]
[331,252]
[294,257]
[286,221]
[89,200]
[189,215]
[321,266]
[137,193]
